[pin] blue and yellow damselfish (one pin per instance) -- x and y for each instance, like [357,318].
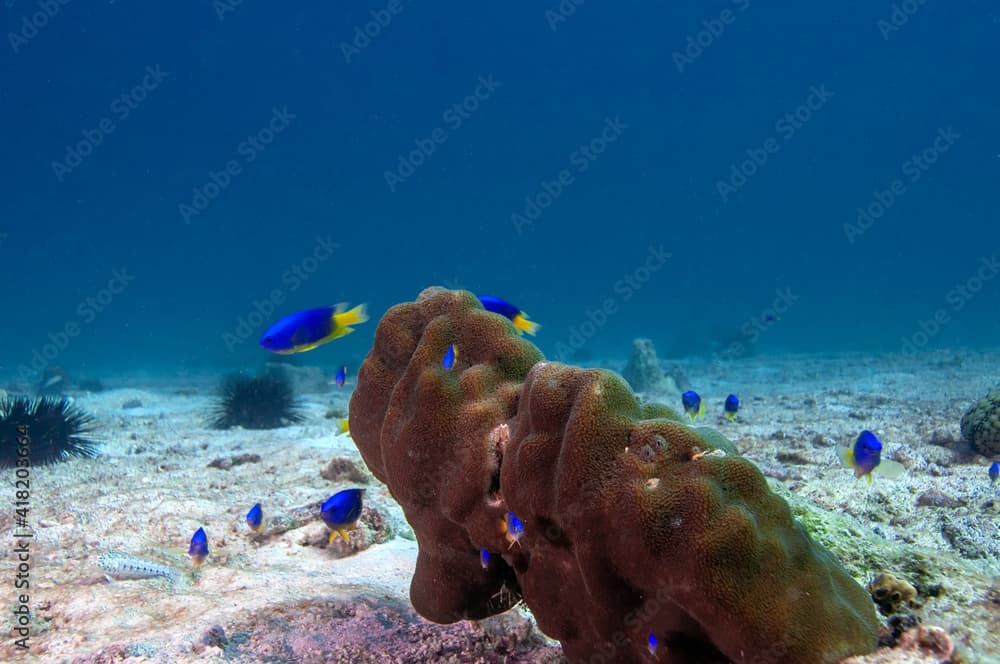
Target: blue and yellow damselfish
[305,330]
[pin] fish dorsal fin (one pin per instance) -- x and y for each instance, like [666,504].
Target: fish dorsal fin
[890,469]
[846,456]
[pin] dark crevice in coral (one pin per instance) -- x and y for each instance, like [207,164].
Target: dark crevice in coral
[509,594]
[684,648]
[494,489]
[495,480]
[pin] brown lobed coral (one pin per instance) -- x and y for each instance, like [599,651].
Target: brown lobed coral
[981,425]
[634,523]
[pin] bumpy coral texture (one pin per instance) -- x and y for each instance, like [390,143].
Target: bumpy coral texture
[633,522]
[981,425]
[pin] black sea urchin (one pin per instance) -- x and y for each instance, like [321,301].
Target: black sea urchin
[263,402]
[55,430]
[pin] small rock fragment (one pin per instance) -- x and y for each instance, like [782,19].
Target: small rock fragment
[981,425]
[225,463]
[890,593]
[914,646]
[215,637]
[791,456]
[937,498]
[340,469]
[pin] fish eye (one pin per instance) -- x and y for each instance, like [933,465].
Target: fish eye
[896,596]
[268,340]
[880,593]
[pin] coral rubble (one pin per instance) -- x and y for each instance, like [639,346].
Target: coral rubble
[981,425]
[891,593]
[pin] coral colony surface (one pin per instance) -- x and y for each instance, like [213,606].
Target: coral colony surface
[513,509]
[634,523]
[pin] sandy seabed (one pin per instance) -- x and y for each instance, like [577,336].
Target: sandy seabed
[290,597]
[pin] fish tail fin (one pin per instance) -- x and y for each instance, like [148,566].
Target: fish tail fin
[523,325]
[343,319]
[890,469]
[846,456]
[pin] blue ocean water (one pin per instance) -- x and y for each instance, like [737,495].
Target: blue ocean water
[804,177]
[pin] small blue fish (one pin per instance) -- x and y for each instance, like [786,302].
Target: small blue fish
[341,512]
[866,457]
[341,376]
[199,546]
[255,518]
[994,472]
[512,529]
[305,330]
[450,356]
[508,310]
[484,558]
[731,407]
[693,405]
[652,644]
